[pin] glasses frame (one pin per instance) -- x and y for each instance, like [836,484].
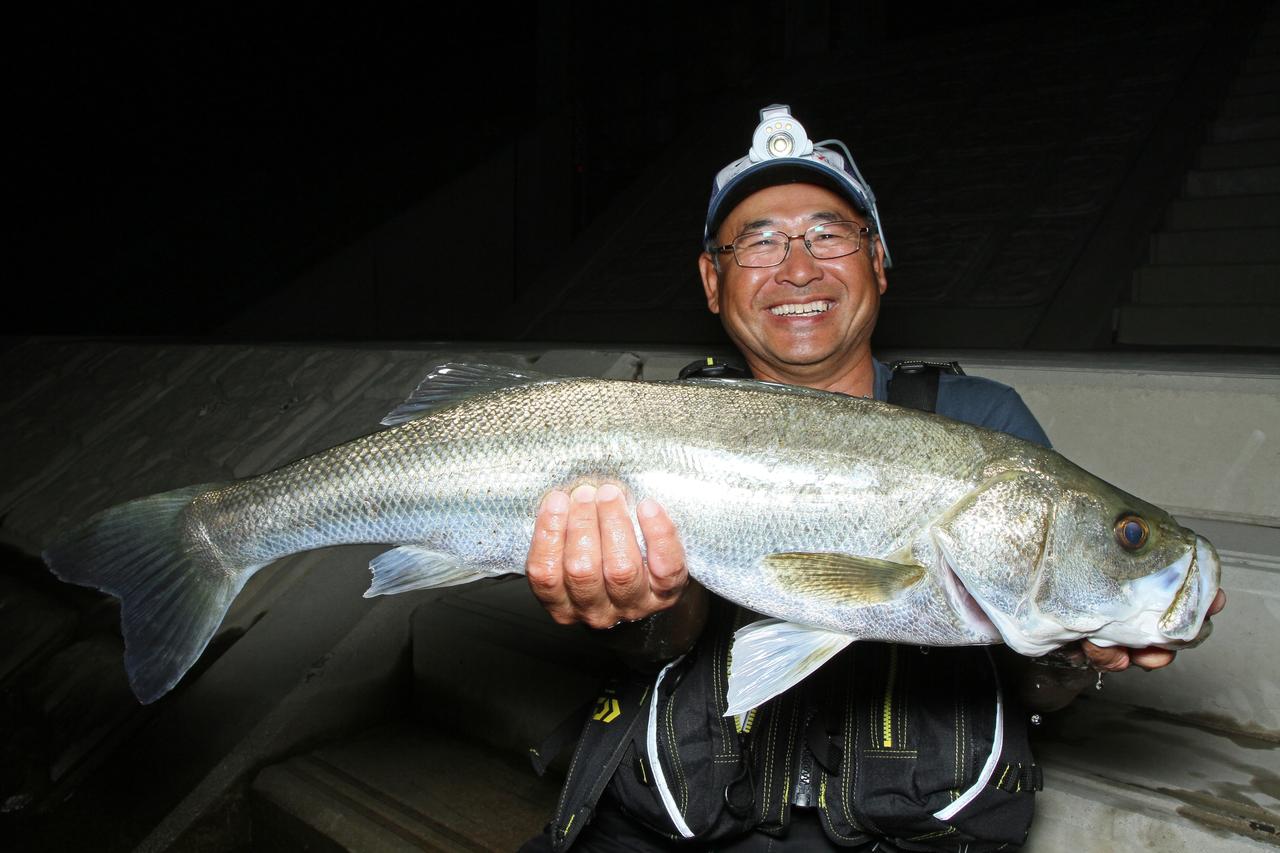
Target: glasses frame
[731,248]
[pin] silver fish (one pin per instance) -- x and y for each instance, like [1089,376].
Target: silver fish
[841,518]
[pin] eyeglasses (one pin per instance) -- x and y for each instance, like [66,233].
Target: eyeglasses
[770,248]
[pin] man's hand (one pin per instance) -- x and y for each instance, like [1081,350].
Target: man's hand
[584,564]
[1119,658]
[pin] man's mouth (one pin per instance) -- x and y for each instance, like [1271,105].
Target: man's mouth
[819,306]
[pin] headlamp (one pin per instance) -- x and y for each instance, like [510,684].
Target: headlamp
[781,152]
[779,135]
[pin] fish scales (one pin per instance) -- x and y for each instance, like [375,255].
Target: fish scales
[467,480]
[846,518]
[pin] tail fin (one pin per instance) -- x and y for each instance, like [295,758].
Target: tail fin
[172,597]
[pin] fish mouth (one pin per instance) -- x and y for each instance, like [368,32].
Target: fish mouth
[812,308]
[1185,622]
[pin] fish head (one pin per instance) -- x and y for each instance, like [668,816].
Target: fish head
[1056,554]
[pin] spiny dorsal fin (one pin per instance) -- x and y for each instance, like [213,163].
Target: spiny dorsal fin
[453,382]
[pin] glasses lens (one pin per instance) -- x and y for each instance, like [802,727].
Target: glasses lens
[834,239]
[761,249]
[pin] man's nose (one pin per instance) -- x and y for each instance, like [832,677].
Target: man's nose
[799,268]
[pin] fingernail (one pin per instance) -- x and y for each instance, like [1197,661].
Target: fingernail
[555,502]
[584,494]
[648,508]
[607,492]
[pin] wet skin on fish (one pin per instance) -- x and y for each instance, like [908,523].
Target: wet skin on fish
[841,518]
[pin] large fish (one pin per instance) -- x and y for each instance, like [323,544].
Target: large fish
[842,518]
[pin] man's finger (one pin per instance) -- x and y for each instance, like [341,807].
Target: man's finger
[1106,658]
[665,552]
[1151,658]
[544,564]
[1219,602]
[583,576]
[625,580]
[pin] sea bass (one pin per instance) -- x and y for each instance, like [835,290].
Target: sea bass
[841,518]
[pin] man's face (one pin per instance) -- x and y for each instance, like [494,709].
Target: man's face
[838,298]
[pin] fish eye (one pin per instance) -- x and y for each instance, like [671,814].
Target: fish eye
[1131,532]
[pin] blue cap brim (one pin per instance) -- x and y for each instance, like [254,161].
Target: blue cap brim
[771,173]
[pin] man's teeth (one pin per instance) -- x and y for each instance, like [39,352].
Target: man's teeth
[806,308]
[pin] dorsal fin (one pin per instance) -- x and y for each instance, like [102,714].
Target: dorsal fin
[452,382]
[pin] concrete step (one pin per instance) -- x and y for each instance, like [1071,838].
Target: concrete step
[1240,128]
[1252,180]
[1241,283]
[1224,211]
[1226,247]
[1265,45]
[1254,84]
[1260,64]
[1245,211]
[1252,326]
[1237,155]
[1260,104]
[400,789]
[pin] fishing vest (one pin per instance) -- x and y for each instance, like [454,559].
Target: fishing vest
[920,747]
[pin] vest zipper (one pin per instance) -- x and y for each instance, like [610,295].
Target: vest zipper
[887,713]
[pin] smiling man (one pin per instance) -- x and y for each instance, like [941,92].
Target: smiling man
[802,316]
[886,747]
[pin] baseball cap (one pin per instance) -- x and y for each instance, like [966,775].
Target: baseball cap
[781,153]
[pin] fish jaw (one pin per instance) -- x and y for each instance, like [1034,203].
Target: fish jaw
[1186,616]
[1167,609]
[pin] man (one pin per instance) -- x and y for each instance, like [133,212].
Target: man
[794,264]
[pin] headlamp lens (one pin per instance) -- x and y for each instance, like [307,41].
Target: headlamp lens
[781,144]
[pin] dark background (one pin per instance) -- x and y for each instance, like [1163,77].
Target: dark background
[173,166]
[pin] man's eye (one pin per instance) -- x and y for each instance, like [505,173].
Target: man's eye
[834,231]
[765,240]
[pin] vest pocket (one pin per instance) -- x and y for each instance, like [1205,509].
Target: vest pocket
[933,754]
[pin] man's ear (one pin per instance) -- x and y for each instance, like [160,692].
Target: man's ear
[877,264]
[710,281]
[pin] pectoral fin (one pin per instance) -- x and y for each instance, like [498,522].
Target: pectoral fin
[842,578]
[771,656]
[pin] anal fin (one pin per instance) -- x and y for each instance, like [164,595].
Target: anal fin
[413,567]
